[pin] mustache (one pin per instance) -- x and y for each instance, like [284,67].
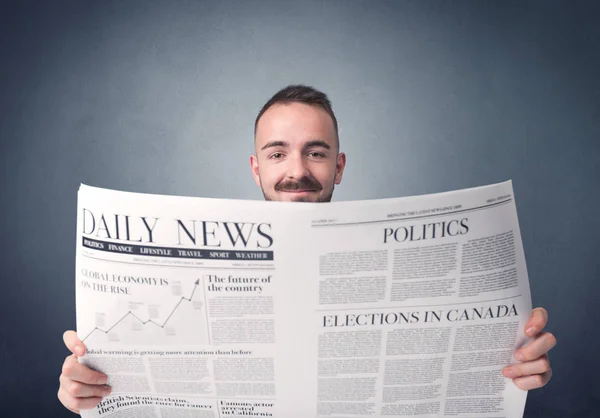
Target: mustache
[305,183]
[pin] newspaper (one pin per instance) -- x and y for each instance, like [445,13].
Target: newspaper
[216,308]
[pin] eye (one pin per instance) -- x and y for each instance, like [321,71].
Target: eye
[316,154]
[276,155]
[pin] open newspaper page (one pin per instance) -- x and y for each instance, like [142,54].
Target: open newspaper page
[418,303]
[220,308]
[176,303]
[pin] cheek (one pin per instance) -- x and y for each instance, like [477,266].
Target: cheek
[324,174]
[269,175]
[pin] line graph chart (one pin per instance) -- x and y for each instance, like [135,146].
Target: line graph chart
[152,322]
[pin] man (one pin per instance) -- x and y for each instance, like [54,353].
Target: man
[297,159]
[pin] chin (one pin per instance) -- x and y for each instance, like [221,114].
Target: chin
[304,199]
[288,197]
[285,197]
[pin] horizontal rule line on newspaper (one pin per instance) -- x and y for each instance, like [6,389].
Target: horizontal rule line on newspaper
[184,266]
[420,306]
[145,250]
[411,218]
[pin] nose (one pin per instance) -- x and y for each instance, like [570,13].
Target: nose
[298,167]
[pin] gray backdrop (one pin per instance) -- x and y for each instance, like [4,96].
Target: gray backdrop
[430,96]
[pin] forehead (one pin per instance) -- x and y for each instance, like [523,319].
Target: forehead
[295,123]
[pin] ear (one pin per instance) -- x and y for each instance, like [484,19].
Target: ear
[254,167]
[340,164]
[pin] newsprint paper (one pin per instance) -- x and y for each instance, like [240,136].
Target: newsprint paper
[212,308]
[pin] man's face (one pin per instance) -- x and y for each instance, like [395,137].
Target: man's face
[297,157]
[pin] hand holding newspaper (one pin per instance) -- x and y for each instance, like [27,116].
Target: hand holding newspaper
[220,308]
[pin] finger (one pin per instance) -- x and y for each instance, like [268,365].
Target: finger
[75,404]
[74,370]
[536,322]
[73,343]
[539,366]
[83,390]
[69,362]
[533,382]
[543,343]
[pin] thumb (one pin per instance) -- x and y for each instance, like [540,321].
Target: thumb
[73,343]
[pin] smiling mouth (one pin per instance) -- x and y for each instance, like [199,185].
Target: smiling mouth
[304,185]
[299,191]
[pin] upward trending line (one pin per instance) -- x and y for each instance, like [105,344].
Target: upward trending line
[149,321]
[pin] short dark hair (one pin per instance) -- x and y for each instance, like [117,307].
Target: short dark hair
[302,94]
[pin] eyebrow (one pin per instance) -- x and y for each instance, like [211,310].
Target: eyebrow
[272,144]
[317,143]
[309,144]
